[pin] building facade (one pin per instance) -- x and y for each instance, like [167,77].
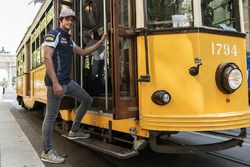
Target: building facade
[7,69]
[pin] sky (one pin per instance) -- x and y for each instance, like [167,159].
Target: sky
[15,18]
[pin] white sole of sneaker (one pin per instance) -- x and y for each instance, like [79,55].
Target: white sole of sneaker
[74,138]
[46,160]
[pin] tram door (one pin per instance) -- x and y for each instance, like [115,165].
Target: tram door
[93,78]
[119,95]
[124,59]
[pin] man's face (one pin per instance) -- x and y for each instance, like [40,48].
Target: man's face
[67,23]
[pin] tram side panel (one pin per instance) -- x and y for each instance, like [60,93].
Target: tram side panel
[19,87]
[40,90]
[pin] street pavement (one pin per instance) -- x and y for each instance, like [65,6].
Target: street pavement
[15,148]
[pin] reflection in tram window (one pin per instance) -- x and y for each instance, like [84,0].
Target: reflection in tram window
[93,17]
[169,13]
[90,14]
[124,13]
[127,71]
[220,14]
[64,7]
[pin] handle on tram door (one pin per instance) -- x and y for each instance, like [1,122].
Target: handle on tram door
[146,77]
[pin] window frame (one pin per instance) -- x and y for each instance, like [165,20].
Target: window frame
[146,20]
[125,106]
[197,19]
[239,13]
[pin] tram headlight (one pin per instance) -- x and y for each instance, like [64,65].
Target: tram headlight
[228,77]
[161,97]
[235,79]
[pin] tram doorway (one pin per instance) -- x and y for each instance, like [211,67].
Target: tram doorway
[117,93]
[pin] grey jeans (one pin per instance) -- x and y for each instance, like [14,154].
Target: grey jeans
[72,89]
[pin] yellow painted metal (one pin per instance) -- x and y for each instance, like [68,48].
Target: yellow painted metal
[22,90]
[94,119]
[102,121]
[29,101]
[37,90]
[19,85]
[40,90]
[197,104]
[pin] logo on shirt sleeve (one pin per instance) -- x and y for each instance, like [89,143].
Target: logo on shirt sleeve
[50,38]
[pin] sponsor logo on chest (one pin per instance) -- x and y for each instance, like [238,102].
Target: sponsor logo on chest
[64,41]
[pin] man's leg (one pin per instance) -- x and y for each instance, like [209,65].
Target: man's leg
[95,68]
[101,68]
[75,91]
[52,107]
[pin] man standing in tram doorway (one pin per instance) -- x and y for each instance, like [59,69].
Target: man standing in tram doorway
[58,52]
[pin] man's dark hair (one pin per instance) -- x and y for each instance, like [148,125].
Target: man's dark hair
[60,19]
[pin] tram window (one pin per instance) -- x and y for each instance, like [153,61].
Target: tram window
[38,57]
[127,71]
[42,36]
[65,4]
[42,55]
[50,26]
[42,40]
[37,42]
[64,7]
[169,13]
[20,62]
[34,59]
[90,15]
[220,14]
[125,13]
[93,16]
[33,46]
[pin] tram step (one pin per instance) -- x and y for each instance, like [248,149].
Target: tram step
[110,149]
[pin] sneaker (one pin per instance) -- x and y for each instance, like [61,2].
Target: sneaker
[78,135]
[52,157]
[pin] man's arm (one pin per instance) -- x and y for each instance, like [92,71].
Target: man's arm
[48,53]
[92,48]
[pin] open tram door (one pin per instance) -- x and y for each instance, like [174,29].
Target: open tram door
[115,92]
[124,59]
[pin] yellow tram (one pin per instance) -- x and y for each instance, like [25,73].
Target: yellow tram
[171,66]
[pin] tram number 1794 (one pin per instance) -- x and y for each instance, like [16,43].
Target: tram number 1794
[223,49]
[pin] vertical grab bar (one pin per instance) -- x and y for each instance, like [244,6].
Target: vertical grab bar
[81,44]
[105,54]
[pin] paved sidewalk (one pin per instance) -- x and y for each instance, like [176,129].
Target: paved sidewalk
[15,148]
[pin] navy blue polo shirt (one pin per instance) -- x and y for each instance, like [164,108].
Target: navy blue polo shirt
[62,56]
